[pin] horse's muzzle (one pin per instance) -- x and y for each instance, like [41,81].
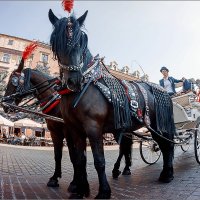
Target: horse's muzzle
[74,82]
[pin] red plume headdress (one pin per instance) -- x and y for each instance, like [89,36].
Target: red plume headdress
[29,49]
[26,53]
[68,5]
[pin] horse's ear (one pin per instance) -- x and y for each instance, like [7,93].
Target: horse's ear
[53,19]
[21,66]
[82,18]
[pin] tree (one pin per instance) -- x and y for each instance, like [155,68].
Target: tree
[3,76]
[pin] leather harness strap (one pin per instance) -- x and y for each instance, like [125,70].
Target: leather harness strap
[144,93]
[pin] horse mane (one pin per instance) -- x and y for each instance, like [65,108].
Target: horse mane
[43,75]
[59,39]
[46,76]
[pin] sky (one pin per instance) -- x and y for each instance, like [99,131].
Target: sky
[149,33]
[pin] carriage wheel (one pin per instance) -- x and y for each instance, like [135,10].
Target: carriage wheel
[186,145]
[149,151]
[197,141]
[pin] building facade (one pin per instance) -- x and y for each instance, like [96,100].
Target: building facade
[124,72]
[11,49]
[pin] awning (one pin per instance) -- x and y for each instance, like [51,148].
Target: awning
[5,122]
[28,123]
[44,125]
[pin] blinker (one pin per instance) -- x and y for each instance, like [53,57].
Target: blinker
[15,81]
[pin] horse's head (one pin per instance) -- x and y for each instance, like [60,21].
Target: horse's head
[69,46]
[16,84]
[19,79]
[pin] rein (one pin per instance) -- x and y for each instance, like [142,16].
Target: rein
[46,104]
[139,135]
[32,112]
[49,105]
[93,64]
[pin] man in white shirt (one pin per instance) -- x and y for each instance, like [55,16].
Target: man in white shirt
[168,82]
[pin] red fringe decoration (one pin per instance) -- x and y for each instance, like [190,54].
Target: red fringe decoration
[68,5]
[50,107]
[64,91]
[29,49]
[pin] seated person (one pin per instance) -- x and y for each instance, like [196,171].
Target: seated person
[168,82]
[187,86]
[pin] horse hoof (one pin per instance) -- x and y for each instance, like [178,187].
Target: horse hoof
[166,175]
[115,174]
[166,179]
[87,192]
[75,196]
[105,195]
[126,172]
[72,187]
[52,183]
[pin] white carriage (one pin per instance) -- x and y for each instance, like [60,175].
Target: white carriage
[186,108]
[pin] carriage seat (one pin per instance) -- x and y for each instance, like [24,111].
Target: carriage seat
[180,114]
[184,99]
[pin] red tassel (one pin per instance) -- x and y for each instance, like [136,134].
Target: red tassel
[139,112]
[29,49]
[68,5]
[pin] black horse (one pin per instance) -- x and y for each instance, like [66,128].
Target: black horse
[22,80]
[90,114]
[34,78]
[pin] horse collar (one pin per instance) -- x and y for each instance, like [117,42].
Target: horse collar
[71,67]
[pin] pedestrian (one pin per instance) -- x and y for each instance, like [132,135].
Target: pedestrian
[4,133]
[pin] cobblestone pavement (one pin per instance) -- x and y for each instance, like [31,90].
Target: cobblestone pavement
[25,172]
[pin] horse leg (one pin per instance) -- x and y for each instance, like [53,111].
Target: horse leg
[116,172]
[58,146]
[128,156]
[77,150]
[166,175]
[167,149]
[126,150]
[96,141]
[73,186]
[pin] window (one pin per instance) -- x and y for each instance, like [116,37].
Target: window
[10,42]
[31,57]
[44,58]
[6,57]
[18,60]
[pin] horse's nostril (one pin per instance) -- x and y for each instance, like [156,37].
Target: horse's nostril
[70,82]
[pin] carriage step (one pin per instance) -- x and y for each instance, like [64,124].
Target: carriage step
[183,136]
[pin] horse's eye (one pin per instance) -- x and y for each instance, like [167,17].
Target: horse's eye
[15,81]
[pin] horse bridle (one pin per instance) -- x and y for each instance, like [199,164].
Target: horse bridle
[18,80]
[72,68]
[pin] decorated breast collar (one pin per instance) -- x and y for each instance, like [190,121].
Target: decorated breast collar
[94,71]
